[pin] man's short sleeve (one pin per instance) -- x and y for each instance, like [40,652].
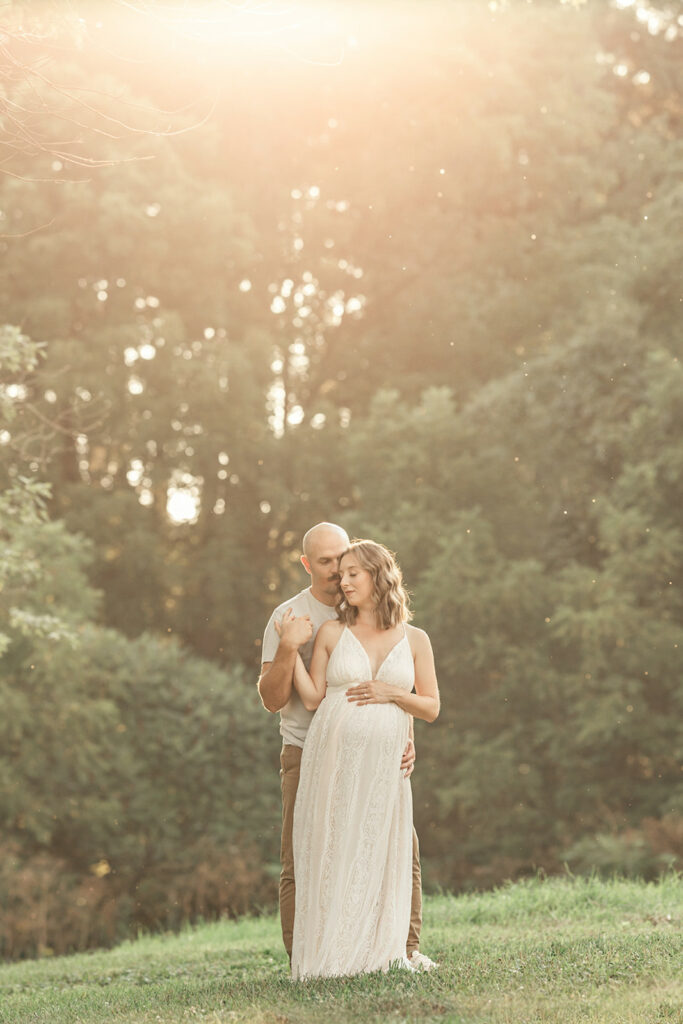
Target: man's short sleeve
[270,639]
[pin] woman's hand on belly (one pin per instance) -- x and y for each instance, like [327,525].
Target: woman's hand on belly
[374,691]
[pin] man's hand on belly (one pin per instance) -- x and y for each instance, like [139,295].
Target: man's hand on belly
[408,759]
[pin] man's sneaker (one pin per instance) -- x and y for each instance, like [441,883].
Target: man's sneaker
[420,962]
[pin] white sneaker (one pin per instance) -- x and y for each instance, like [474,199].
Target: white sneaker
[420,962]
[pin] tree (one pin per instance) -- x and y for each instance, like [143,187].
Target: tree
[43,593]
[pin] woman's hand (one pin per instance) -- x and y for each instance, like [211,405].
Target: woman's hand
[294,631]
[372,692]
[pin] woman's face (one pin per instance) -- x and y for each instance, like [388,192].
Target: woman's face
[355,581]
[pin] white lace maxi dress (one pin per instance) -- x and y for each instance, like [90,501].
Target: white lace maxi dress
[353,824]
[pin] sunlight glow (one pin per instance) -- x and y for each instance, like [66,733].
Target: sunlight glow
[183,502]
[275,404]
[135,473]
[181,507]
[310,32]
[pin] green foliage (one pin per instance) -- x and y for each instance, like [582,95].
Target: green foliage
[43,589]
[122,768]
[18,355]
[560,673]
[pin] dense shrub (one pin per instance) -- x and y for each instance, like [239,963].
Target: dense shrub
[124,793]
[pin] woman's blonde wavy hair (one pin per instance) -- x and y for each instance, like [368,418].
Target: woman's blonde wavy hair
[391,597]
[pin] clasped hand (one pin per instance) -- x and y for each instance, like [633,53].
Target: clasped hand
[294,630]
[374,691]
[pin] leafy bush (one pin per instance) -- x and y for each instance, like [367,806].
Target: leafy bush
[124,793]
[644,852]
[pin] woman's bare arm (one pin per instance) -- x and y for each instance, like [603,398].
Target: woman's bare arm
[312,686]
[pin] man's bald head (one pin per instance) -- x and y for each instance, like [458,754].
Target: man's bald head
[322,546]
[321,534]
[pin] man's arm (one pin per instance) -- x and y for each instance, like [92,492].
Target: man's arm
[275,681]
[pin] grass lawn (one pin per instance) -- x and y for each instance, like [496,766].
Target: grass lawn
[566,951]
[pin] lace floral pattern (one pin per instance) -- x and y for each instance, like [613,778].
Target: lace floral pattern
[353,824]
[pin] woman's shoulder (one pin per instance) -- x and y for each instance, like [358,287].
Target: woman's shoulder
[331,628]
[414,630]
[417,637]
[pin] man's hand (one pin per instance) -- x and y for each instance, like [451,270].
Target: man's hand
[408,760]
[294,631]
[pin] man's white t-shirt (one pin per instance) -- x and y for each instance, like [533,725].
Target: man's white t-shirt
[294,718]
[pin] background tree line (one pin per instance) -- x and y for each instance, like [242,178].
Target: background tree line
[429,291]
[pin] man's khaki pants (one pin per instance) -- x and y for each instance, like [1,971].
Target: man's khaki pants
[290,761]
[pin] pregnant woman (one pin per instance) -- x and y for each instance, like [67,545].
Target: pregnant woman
[353,814]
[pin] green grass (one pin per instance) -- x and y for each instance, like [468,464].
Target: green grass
[568,951]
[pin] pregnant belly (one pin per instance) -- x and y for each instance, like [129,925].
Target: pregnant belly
[379,728]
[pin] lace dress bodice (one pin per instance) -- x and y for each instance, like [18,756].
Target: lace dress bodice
[350,664]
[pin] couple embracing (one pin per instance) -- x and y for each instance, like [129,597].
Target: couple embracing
[348,675]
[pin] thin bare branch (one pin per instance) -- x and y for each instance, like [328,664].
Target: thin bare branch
[25,64]
[40,227]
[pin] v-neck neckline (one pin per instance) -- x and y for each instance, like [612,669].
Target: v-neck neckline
[374,675]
